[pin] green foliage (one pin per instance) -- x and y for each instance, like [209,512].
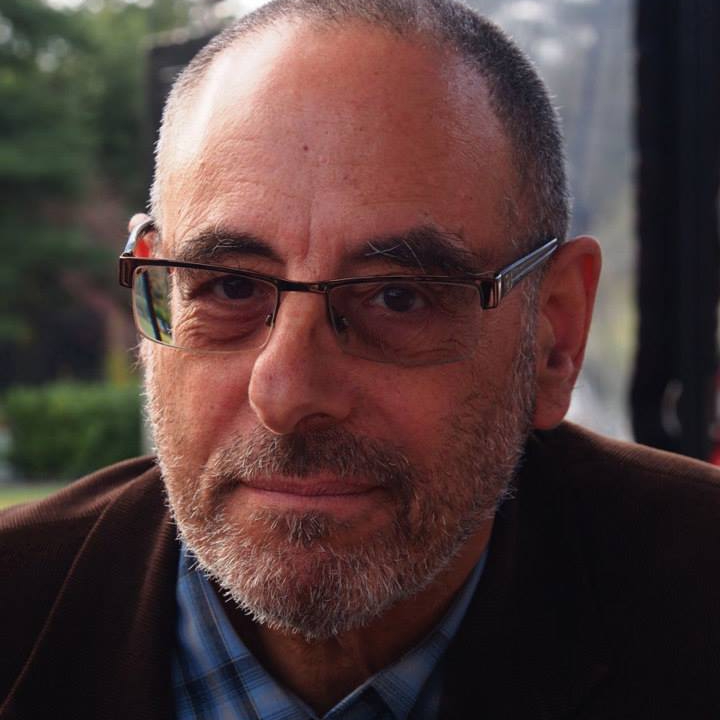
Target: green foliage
[74,144]
[46,133]
[118,36]
[65,430]
[72,95]
[31,284]
[46,330]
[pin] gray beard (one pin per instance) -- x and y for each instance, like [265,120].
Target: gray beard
[282,567]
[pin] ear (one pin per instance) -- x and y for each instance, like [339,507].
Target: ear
[144,244]
[567,296]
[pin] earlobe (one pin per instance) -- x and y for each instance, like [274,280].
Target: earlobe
[566,300]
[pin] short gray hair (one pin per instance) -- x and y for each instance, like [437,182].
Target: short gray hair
[518,95]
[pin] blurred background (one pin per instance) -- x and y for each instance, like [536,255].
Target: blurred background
[82,84]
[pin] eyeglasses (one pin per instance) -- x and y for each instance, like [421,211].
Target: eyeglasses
[402,319]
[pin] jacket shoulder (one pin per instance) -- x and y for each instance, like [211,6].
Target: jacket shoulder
[39,542]
[39,539]
[82,499]
[644,528]
[632,498]
[575,445]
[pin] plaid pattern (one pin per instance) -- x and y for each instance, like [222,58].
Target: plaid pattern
[216,678]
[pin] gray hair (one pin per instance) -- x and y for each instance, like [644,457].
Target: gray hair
[517,94]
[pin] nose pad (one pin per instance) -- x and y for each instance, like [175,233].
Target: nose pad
[338,322]
[271,317]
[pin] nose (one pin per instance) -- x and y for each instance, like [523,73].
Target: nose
[299,379]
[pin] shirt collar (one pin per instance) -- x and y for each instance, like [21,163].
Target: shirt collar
[208,642]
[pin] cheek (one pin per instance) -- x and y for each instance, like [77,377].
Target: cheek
[420,408]
[413,408]
[204,399]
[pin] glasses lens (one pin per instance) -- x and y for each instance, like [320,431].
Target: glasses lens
[205,310]
[410,323]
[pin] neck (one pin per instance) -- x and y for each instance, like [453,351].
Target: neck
[323,672]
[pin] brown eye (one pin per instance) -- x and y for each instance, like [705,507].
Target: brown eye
[234,288]
[400,298]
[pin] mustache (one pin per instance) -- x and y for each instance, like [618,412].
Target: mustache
[333,450]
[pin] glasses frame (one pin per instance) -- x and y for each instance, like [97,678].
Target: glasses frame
[492,287]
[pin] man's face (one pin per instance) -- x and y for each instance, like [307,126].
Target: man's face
[319,488]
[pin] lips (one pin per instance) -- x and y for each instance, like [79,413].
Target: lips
[310,488]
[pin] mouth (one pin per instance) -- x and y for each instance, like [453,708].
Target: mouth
[346,496]
[311,487]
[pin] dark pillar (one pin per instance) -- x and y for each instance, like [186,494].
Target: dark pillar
[678,134]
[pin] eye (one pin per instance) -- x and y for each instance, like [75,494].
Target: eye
[400,298]
[231,287]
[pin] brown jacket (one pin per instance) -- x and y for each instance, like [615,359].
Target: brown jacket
[600,598]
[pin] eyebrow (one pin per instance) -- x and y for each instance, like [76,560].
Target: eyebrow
[426,249]
[218,242]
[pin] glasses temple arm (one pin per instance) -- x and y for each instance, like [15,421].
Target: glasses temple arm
[507,278]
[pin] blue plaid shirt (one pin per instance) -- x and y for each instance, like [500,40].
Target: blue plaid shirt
[215,677]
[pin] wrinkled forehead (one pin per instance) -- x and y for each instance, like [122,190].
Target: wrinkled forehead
[299,128]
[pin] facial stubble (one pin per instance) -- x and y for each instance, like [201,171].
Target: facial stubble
[292,571]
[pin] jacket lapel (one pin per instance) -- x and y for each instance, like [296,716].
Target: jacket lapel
[105,649]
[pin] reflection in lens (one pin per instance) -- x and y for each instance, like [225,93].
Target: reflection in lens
[152,311]
[201,309]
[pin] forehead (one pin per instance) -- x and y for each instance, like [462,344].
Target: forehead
[316,140]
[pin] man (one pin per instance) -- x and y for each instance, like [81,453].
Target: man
[362,328]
